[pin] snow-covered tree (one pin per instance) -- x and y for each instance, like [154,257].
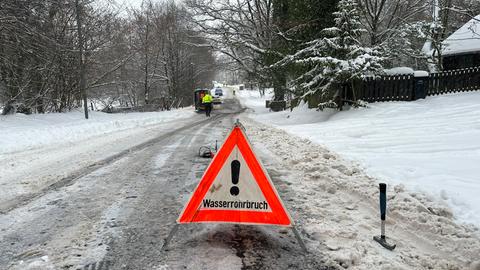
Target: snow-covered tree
[336,59]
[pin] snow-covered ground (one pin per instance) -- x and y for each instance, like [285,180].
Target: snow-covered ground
[335,206]
[39,150]
[22,132]
[119,212]
[430,146]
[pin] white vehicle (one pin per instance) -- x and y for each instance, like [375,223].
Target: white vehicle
[218,92]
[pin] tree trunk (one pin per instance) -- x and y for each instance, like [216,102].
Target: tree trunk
[279,85]
[81,56]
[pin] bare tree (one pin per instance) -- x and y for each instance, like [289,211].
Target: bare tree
[41,40]
[383,18]
[242,30]
[54,52]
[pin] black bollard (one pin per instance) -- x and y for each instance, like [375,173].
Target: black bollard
[382,239]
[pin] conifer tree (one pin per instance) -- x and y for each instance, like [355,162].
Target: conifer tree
[335,59]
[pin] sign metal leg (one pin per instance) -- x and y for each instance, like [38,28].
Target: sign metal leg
[299,239]
[170,236]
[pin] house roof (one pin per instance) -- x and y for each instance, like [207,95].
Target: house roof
[464,40]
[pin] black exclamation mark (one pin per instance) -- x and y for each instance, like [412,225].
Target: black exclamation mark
[235,177]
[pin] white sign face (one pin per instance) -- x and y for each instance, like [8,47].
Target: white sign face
[235,188]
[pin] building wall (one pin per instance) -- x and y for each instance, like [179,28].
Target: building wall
[460,61]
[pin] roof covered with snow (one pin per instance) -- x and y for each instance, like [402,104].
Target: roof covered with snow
[464,40]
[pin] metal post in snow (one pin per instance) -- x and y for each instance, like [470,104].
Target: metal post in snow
[382,239]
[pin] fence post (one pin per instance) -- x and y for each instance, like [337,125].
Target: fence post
[420,88]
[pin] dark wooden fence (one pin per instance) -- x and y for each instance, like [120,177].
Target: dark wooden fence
[409,87]
[384,88]
[459,80]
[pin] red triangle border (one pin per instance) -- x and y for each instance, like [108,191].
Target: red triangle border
[278,216]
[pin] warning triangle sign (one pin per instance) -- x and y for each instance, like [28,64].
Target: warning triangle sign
[235,188]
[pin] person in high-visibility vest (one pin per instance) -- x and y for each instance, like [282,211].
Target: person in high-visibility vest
[207,102]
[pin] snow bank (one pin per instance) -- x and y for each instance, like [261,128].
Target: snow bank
[21,132]
[253,100]
[431,145]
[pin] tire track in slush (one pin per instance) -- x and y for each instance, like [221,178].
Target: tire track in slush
[66,215]
[140,241]
[203,246]
[70,179]
[68,224]
[196,246]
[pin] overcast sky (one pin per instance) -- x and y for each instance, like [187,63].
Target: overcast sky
[134,3]
[128,3]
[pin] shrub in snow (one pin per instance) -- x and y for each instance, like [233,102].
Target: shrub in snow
[336,59]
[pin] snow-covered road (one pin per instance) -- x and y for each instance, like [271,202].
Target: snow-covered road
[116,213]
[78,222]
[40,160]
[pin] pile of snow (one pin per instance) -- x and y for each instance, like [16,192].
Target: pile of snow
[252,99]
[464,40]
[406,71]
[235,87]
[400,71]
[22,132]
[421,73]
[217,84]
[431,146]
